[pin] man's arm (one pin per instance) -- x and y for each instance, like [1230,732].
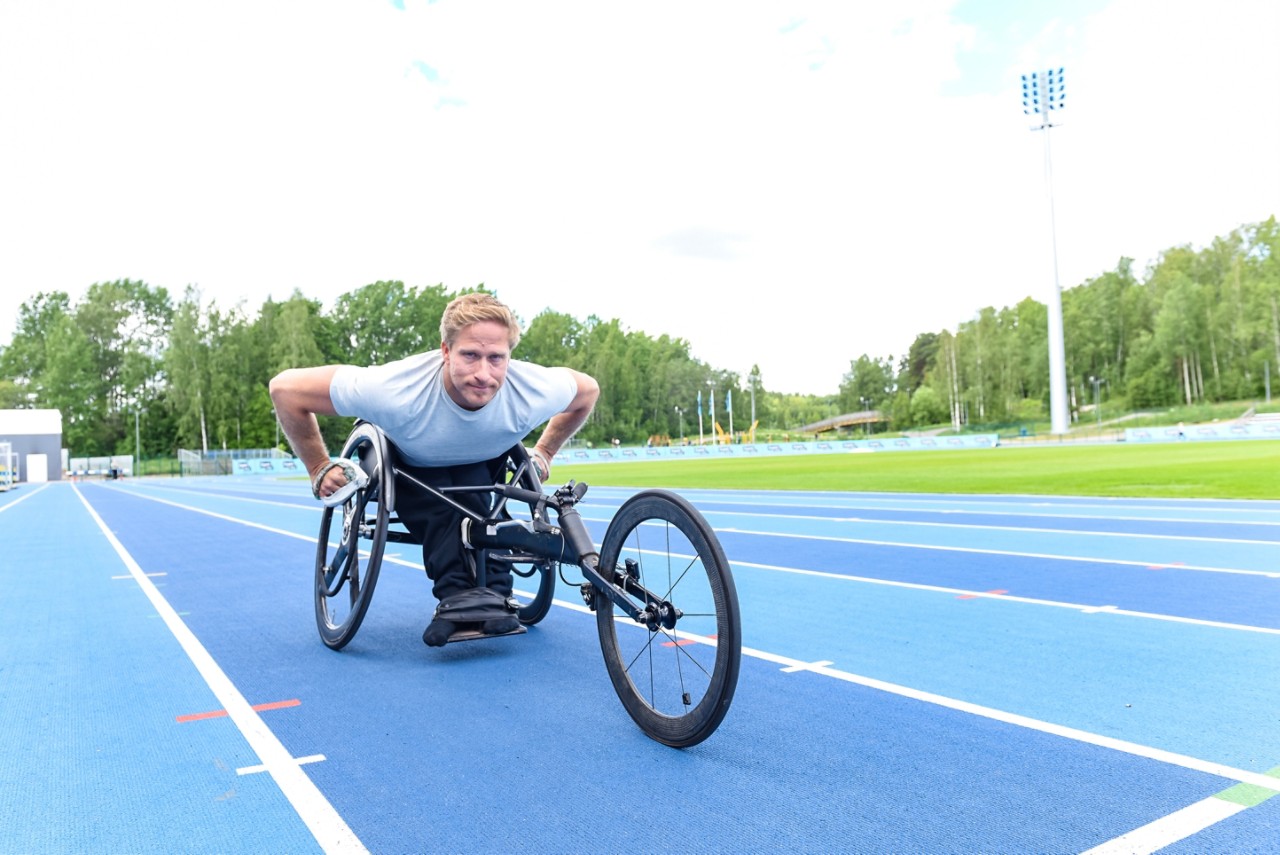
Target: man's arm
[564,425]
[299,394]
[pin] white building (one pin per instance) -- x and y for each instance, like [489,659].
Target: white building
[35,441]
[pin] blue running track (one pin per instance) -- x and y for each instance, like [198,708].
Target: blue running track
[921,674]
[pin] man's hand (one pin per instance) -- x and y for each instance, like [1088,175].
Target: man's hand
[333,489]
[541,463]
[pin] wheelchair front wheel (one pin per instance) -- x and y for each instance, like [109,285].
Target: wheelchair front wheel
[676,681]
[345,578]
[544,574]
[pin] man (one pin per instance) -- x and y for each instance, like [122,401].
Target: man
[451,416]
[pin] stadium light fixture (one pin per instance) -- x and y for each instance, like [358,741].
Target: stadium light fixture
[1042,93]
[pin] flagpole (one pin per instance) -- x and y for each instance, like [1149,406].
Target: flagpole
[711,411]
[700,417]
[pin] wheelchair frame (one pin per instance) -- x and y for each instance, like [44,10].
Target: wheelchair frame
[673,647]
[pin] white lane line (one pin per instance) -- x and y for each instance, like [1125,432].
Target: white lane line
[1012,528]
[1158,754]
[1007,552]
[1189,821]
[808,666]
[325,824]
[1168,830]
[1000,509]
[226,517]
[213,494]
[23,497]
[1080,607]
[253,770]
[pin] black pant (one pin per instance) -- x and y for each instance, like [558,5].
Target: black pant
[438,524]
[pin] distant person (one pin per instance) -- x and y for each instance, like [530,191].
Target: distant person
[451,415]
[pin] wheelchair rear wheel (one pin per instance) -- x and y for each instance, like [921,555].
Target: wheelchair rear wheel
[676,678]
[345,577]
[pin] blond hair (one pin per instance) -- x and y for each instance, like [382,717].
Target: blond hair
[473,308]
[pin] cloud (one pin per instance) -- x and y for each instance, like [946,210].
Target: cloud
[702,243]
[429,73]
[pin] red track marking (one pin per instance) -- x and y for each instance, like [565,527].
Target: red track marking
[274,705]
[684,642]
[978,596]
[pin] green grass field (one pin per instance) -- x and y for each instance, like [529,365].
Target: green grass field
[1202,470]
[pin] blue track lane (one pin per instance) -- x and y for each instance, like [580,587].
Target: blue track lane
[889,699]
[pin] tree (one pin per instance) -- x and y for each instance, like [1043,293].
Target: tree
[1178,331]
[927,407]
[234,377]
[553,338]
[126,323]
[385,321]
[92,361]
[12,397]
[915,365]
[293,335]
[186,365]
[23,361]
[946,380]
[866,385]
[70,383]
[1102,318]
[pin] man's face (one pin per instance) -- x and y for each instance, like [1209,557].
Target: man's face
[475,366]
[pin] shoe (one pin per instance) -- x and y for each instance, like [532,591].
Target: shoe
[500,626]
[437,632]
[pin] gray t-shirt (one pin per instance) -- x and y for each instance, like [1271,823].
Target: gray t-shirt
[407,399]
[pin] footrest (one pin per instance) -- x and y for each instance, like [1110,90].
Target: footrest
[475,634]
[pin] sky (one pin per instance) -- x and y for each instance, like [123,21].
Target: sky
[787,185]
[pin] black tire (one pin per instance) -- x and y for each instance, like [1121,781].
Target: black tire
[344,582]
[537,608]
[676,684]
[530,613]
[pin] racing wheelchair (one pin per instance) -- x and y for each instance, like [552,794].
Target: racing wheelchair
[660,586]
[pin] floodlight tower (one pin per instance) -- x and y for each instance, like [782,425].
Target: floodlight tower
[1042,93]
